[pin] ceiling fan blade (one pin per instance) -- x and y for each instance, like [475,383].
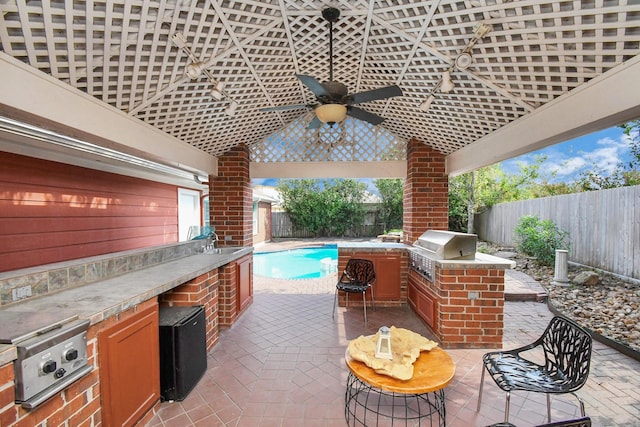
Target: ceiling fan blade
[315,123]
[285,107]
[366,116]
[374,95]
[314,86]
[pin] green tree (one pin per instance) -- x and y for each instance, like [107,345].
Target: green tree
[324,207]
[476,191]
[345,205]
[302,199]
[391,193]
[625,174]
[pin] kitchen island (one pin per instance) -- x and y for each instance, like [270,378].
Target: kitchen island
[125,291]
[460,300]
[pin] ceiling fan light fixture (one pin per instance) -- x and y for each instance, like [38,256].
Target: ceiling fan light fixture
[426,104]
[331,113]
[194,70]
[447,84]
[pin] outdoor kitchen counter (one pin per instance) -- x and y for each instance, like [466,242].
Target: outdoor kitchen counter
[100,300]
[481,261]
[382,246]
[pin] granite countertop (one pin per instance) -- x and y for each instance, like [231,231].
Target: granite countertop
[481,260]
[103,299]
[372,245]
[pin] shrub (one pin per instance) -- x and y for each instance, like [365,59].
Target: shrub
[540,238]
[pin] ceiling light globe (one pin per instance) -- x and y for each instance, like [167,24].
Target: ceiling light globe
[331,113]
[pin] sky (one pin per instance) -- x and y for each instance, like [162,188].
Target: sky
[606,148]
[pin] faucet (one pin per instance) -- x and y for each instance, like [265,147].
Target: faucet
[215,238]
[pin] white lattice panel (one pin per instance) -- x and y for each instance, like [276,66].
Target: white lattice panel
[120,51]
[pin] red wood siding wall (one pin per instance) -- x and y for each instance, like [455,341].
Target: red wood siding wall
[51,212]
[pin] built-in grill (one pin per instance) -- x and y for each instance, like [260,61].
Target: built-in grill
[440,245]
[49,359]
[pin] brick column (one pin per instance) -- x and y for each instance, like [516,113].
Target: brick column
[228,295]
[231,199]
[471,306]
[426,192]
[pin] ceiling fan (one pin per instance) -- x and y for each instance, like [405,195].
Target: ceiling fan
[334,100]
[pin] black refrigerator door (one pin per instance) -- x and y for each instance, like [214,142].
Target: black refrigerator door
[183,350]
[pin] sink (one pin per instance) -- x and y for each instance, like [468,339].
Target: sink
[224,251]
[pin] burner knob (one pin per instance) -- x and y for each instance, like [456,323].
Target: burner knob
[60,373]
[71,354]
[48,366]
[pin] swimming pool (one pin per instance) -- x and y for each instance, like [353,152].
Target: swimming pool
[304,263]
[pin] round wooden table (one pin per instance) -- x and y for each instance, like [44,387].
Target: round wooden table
[377,399]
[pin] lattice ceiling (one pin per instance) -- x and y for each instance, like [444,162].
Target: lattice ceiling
[121,52]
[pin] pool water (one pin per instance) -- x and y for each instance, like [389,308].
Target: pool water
[304,263]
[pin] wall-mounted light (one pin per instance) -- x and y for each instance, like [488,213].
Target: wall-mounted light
[331,113]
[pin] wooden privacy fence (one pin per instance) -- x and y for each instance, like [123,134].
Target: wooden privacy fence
[604,226]
[282,227]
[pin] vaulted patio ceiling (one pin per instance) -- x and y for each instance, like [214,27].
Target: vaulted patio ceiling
[547,71]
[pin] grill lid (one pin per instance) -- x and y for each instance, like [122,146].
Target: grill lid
[442,244]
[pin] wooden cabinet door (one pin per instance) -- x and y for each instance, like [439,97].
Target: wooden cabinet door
[423,302]
[244,282]
[129,368]
[387,284]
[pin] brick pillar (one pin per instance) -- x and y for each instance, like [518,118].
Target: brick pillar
[228,295]
[471,306]
[231,199]
[426,192]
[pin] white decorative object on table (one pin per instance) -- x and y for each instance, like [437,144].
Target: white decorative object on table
[406,346]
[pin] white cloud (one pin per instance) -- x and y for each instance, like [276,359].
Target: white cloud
[567,166]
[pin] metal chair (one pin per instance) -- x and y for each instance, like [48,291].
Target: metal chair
[566,348]
[357,277]
[577,422]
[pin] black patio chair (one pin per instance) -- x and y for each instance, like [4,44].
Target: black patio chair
[357,277]
[566,348]
[577,422]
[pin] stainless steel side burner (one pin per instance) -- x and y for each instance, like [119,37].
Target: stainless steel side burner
[49,360]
